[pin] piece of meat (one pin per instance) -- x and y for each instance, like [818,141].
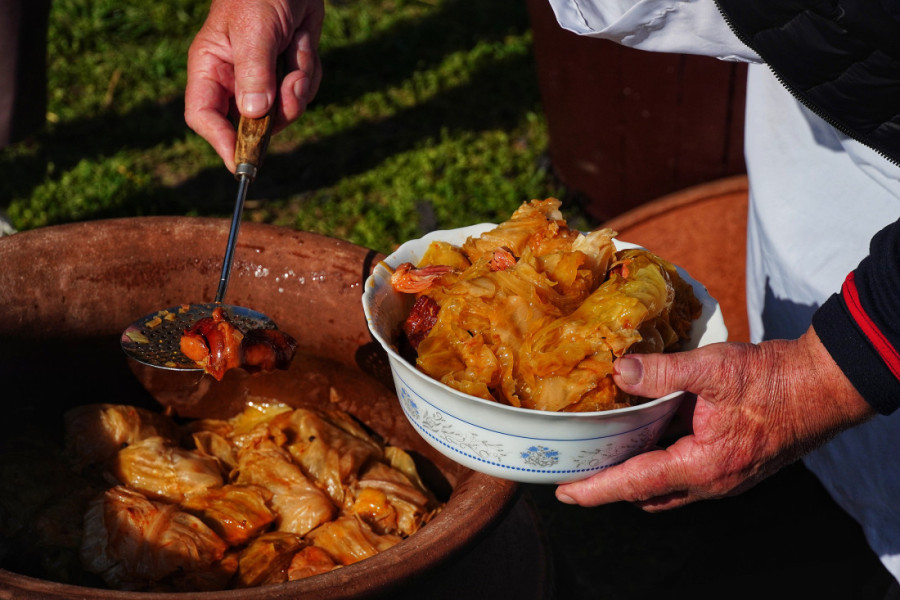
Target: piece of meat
[267,350]
[502,259]
[216,345]
[213,343]
[421,319]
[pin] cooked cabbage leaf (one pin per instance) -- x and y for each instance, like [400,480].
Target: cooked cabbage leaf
[538,313]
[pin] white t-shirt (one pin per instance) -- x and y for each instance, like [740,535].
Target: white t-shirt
[816,199]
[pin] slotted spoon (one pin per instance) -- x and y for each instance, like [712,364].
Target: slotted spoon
[155,339]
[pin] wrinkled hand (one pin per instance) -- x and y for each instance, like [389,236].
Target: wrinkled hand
[232,60]
[758,408]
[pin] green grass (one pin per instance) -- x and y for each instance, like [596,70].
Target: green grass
[428,117]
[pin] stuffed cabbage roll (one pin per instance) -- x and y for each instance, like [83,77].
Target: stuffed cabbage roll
[163,470]
[310,561]
[132,542]
[390,503]
[235,512]
[266,559]
[96,432]
[243,429]
[217,576]
[349,540]
[299,505]
[330,448]
[207,505]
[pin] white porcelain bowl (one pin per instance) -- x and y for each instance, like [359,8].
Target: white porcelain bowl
[529,446]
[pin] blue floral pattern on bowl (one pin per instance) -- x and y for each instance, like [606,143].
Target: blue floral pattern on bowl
[540,457]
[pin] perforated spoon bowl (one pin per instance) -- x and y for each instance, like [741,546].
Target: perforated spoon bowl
[155,339]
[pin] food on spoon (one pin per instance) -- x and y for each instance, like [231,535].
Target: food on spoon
[267,350]
[532,313]
[272,494]
[216,346]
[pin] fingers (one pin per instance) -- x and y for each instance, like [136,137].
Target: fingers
[233,59]
[702,463]
[255,48]
[754,409]
[657,375]
[258,38]
[210,81]
[301,82]
[654,480]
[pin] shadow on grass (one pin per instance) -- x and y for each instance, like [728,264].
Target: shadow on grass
[496,97]
[322,163]
[387,59]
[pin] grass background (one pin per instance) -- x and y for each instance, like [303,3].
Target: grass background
[428,117]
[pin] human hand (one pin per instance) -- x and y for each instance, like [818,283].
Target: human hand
[758,408]
[231,66]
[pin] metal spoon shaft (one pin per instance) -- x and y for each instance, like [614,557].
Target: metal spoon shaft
[252,140]
[243,184]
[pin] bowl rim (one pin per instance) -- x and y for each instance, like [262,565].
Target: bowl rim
[380,275]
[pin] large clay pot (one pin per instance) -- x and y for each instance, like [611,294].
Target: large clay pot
[67,292]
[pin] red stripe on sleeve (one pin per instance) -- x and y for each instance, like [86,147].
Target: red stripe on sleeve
[888,353]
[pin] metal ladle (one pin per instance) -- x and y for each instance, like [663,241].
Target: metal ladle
[155,339]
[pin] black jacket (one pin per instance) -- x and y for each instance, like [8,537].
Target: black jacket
[841,59]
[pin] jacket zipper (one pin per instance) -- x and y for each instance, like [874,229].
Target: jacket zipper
[801,98]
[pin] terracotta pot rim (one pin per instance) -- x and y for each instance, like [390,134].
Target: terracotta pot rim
[704,192]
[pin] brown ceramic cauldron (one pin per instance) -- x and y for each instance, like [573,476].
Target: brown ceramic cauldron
[67,292]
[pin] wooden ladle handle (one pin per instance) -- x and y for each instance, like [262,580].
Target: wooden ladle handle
[251,144]
[253,135]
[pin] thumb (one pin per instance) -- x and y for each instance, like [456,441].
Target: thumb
[652,375]
[254,75]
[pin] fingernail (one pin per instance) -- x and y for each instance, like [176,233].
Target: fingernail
[301,88]
[254,102]
[304,42]
[630,370]
[564,498]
